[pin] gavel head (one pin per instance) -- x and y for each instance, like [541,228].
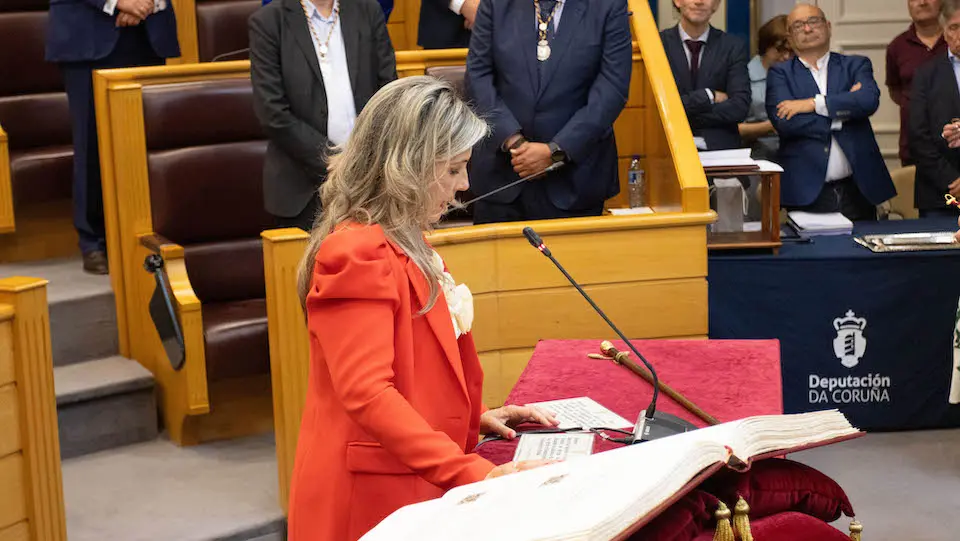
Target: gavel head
[607,348]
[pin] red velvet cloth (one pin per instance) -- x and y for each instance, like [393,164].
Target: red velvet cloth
[729,379]
[790,526]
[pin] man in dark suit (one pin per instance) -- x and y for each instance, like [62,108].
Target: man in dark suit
[86,35]
[710,68]
[821,103]
[552,83]
[313,66]
[446,24]
[934,124]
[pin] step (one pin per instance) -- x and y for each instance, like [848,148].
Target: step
[156,491]
[83,317]
[104,403]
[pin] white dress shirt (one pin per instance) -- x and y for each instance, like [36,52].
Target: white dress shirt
[110,6]
[838,166]
[341,109]
[684,37]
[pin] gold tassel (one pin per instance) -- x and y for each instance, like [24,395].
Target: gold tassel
[741,520]
[724,532]
[855,530]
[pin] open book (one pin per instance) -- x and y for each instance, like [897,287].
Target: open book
[608,495]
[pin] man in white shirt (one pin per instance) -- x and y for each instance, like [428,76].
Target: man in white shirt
[446,24]
[821,103]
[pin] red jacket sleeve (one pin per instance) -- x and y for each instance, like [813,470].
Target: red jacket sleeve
[351,311]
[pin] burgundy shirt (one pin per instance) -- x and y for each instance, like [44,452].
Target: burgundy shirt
[905,54]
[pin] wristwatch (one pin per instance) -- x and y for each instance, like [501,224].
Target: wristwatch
[556,153]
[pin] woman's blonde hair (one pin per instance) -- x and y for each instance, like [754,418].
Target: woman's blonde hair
[383,173]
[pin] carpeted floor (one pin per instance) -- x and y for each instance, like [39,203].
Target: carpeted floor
[904,486]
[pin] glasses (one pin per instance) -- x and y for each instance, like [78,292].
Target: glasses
[813,22]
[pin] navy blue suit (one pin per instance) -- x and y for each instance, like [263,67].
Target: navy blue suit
[806,138]
[572,99]
[82,38]
[724,68]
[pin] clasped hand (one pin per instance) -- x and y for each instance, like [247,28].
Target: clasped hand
[788,109]
[133,12]
[951,133]
[501,421]
[530,158]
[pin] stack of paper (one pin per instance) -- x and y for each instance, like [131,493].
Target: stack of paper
[813,224]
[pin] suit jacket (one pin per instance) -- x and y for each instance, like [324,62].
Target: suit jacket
[723,67]
[805,138]
[79,31]
[290,99]
[394,400]
[440,28]
[934,103]
[584,90]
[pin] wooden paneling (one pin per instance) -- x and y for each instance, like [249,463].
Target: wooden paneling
[501,370]
[398,35]
[524,317]
[186,12]
[36,480]
[13,506]
[629,132]
[18,532]
[6,189]
[44,231]
[290,354]
[7,373]
[9,419]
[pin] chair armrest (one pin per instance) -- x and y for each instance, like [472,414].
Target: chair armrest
[7,224]
[176,268]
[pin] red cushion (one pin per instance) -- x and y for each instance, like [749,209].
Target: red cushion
[776,486]
[682,521]
[790,526]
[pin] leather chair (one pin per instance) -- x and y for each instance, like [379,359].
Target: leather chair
[33,109]
[205,153]
[456,76]
[222,28]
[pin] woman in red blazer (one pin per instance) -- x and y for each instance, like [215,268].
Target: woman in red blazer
[393,406]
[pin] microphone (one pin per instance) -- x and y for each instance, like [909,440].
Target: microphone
[553,167]
[221,56]
[651,424]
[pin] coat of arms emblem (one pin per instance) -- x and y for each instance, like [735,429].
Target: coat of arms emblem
[849,345]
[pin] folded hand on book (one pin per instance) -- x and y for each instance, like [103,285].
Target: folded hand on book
[501,420]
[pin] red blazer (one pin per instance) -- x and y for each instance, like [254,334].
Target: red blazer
[394,400]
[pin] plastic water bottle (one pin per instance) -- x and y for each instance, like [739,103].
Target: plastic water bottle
[636,184]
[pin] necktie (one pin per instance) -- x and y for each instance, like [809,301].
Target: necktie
[694,48]
[546,8]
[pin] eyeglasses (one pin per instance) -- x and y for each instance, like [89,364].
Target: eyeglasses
[813,22]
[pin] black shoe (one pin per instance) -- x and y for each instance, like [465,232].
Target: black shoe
[95,262]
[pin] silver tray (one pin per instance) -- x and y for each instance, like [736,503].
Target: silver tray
[909,242]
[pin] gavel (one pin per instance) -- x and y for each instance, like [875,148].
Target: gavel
[623,358]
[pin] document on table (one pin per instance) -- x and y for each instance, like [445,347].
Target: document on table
[562,446]
[583,412]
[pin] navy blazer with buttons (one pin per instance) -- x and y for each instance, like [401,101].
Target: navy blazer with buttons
[805,139]
[723,67]
[80,31]
[583,92]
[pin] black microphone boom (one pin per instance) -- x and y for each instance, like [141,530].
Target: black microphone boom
[550,168]
[651,424]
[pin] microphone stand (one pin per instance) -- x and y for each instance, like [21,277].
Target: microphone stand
[651,424]
[548,169]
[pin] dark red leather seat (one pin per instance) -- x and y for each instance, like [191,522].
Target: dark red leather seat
[205,155]
[222,28]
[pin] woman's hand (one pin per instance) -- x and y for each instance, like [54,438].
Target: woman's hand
[501,420]
[514,467]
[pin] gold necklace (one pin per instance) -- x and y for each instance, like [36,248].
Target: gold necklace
[543,46]
[322,47]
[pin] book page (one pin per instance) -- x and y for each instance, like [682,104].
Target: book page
[583,412]
[563,446]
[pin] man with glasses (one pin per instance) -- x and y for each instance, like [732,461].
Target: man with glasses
[820,103]
[710,68]
[935,121]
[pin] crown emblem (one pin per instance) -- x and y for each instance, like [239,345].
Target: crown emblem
[850,321]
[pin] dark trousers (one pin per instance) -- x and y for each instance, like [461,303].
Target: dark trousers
[304,220]
[843,196]
[133,49]
[533,203]
[945,212]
